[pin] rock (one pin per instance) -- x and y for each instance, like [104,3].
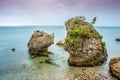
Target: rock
[61,42]
[84,44]
[118,39]
[52,63]
[88,73]
[39,43]
[114,66]
[13,49]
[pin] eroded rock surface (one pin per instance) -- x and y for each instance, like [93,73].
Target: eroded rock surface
[84,44]
[114,66]
[39,42]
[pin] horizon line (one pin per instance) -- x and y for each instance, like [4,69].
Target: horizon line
[46,26]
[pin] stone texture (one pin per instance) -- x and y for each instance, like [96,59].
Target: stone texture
[84,44]
[39,42]
[88,73]
[114,66]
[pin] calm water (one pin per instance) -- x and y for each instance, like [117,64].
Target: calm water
[19,65]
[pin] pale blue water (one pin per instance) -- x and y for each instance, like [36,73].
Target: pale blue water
[18,65]
[109,36]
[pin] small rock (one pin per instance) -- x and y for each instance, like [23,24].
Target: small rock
[118,39]
[114,66]
[13,49]
[61,42]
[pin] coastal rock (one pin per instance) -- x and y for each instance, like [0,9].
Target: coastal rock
[39,43]
[118,39]
[13,49]
[84,44]
[61,42]
[114,66]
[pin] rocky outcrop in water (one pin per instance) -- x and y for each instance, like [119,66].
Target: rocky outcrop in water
[84,44]
[13,49]
[114,66]
[39,42]
[118,39]
[61,42]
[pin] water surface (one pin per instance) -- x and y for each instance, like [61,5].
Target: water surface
[19,65]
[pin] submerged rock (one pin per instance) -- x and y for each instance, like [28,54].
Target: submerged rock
[13,49]
[61,42]
[39,43]
[84,44]
[52,63]
[114,66]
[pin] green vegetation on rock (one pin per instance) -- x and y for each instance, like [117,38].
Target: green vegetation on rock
[79,28]
[103,43]
[84,43]
[69,40]
[94,20]
[101,36]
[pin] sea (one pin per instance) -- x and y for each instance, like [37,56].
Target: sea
[20,65]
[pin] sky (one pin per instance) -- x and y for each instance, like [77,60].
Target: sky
[56,12]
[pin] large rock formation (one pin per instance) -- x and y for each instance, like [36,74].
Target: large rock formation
[114,66]
[84,44]
[39,42]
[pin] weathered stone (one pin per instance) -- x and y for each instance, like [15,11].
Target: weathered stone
[61,42]
[88,73]
[85,42]
[39,42]
[114,66]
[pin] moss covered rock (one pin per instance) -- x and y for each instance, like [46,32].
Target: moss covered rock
[84,44]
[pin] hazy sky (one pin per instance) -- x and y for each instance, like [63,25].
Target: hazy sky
[56,12]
